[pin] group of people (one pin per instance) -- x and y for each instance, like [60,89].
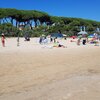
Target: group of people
[3,40]
[45,40]
[84,40]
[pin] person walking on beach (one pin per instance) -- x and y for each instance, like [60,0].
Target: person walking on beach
[3,40]
[41,40]
[78,41]
[18,40]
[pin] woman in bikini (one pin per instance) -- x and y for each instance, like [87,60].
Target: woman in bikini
[3,40]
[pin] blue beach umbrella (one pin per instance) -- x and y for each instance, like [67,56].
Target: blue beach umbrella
[58,35]
[91,36]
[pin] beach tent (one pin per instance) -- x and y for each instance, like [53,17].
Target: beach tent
[91,36]
[58,35]
[94,35]
[82,33]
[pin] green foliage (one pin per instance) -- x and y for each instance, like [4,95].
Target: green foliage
[44,23]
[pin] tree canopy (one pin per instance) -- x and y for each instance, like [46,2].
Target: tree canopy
[11,19]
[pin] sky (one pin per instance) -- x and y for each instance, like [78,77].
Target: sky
[87,9]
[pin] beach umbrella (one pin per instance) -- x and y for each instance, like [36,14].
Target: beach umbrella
[82,33]
[58,35]
[91,36]
[80,36]
[64,35]
[73,37]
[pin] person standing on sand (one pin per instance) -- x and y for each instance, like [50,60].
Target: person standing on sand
[78,41]
[18,41]
[3,40]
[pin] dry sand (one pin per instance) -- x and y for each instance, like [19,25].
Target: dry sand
[34,72]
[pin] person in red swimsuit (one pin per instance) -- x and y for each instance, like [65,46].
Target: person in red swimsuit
[3,40]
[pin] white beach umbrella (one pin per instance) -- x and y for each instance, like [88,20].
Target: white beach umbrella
[82,33]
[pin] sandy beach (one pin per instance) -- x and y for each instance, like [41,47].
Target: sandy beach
[32,71]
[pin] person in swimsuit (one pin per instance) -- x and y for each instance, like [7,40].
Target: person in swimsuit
[3,40]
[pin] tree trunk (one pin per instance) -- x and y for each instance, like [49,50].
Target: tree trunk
[3,20]
[0,21]
[6,20]
[16,24]
[35,21]
[12,21]
[31,25]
